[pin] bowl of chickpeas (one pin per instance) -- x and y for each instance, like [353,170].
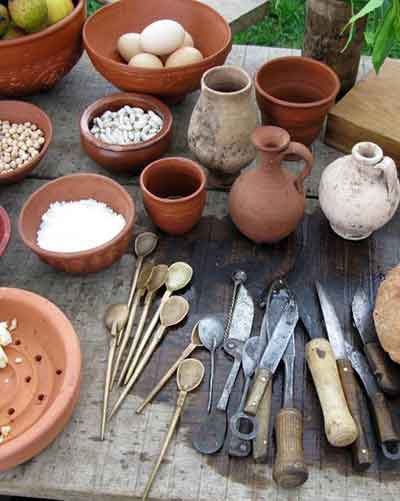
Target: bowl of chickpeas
[25,135]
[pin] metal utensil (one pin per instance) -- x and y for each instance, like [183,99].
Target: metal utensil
[387,373]
[179,275]
[189,376]
[173,311]
[195,342]
[156,281]
[239,277]
[211,334]
[389,439]
[145,244]
[114,320]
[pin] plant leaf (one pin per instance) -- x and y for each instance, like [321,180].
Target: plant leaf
[369,7]
[369,37]
[384,38]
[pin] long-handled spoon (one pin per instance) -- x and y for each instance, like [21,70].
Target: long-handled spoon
[194,343]
[173,311]
[189,377]
[114,320]
[211,333]
[144,277]
[157,280]
[179,275]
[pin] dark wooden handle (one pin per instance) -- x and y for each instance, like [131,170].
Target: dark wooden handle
[260,443]
[261,381]
[384,423]
[363,455]
[386,372]
[290,469]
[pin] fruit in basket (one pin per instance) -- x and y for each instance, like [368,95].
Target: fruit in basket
[163,37]
[4,20]
[183,56]
[144,60]
[29,15]
[13,32]
[129,45]
[58,9]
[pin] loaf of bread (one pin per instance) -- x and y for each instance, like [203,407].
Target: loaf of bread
[387,314]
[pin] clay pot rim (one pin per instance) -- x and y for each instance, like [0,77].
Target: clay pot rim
[289,104]
[182,161]
[273,149]
[47,31]
[130,98]
[81,254]
[149,72]
[222,68]
[29,166]
[369,161]
[5,219]
[72,374]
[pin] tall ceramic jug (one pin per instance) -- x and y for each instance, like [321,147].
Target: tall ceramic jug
[222,122]
[268,202]
[360,192]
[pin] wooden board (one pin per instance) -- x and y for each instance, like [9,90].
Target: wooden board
[369,112]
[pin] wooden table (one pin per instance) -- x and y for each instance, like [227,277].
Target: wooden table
[78,466]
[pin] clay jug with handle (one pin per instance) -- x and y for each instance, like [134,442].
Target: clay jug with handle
[268,202]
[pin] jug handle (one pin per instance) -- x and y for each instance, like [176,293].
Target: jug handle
[304,153]
[389,170]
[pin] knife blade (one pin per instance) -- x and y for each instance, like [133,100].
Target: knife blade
[388,437]
[361,449]
[386,372]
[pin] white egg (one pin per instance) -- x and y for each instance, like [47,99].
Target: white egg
[162,37]
[184,56]
[188,40]
[129,45]
[144,60]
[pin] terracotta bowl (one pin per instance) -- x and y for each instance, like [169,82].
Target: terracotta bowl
[5,230]
[38,393]
[37,62]
[174,193]
[126,159]
[20,112]
[211,34]
[296,93]
[78,187]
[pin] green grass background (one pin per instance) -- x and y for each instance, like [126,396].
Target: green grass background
[282,27]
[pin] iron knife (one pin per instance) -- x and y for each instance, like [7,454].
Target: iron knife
[389,439]
[385,370]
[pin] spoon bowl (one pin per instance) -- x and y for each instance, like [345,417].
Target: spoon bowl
[210,332]
[158,278]
[116,316]
[195,337]
[173,311]
[145,244]
[190,374]
[179,275]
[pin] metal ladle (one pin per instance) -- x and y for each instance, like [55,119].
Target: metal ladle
[157,280]
[179,275]
[114,320]
[189,376]
[194,343]
[211,333]
[173,311]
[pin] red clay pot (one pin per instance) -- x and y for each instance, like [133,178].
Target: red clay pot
[174,193]
[296,93]
[267,203]
[39,394]
[5,230]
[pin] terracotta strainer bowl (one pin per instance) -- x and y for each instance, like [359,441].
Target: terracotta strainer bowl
[40,386]
[5,230]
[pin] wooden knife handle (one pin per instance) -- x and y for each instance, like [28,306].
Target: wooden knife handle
[261,380]
[384,423]
[340,428]
[289,469]
[386,372]
[260,443]
[363,455]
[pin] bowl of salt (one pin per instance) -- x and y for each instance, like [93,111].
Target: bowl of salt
[81,223]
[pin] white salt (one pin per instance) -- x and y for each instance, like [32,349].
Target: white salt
[78,226]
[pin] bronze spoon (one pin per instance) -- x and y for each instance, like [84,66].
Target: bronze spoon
[194,343]
[173,311]
[189,376]
[157,280]
[114,319]
[179,275]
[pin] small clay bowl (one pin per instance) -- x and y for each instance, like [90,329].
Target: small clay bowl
[21,112]
[174,193]
[78,187]
[38,393]
[296,93]
[130,158]
[5,230]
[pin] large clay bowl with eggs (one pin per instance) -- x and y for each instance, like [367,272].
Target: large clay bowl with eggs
[36,62]
[210,32]
[5,230]
[78,187]
[39,388]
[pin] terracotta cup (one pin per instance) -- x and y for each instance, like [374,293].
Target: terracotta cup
[296,93]
[174,193]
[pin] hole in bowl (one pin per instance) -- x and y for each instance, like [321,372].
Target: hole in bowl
[59,372]
[38,358]
[41,397]
[17,342]
[28,379]
[11,411]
